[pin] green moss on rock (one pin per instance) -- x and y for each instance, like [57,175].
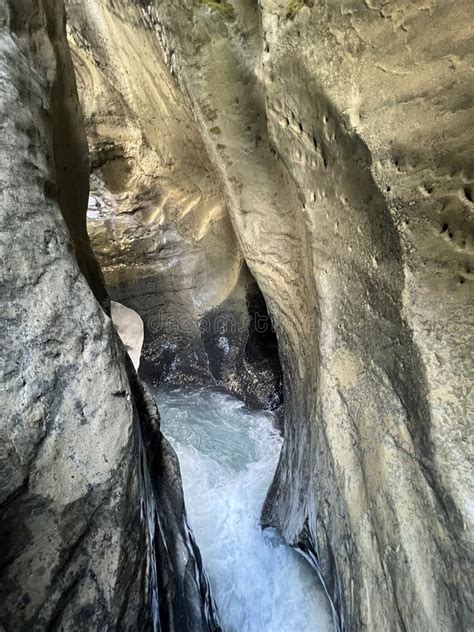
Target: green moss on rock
[293,7]
[227,10]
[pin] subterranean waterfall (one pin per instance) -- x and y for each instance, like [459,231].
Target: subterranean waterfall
[228,455]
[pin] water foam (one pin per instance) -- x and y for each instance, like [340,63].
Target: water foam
[228,456]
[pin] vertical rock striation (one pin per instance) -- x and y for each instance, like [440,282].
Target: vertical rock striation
[158,216]
[75,553]
[339,133]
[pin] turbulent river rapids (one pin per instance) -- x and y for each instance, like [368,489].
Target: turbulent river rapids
[228,455]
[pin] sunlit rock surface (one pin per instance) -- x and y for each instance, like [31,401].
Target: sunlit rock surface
[341,136]
[158,217]
[129,327]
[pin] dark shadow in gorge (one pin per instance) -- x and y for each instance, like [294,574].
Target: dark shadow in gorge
[175,559]
[232,346]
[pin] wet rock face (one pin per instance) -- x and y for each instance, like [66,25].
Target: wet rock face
[77,436]
[232,345]
[339,137]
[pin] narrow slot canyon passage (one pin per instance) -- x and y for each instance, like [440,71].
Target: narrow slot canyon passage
[227,435]
[237,255]
[228,450]
[228,455]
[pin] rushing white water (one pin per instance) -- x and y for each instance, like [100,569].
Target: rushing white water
[228,456]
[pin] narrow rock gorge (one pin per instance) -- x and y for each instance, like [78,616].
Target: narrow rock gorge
[276,198]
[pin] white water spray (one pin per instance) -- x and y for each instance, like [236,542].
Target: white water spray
[228,456]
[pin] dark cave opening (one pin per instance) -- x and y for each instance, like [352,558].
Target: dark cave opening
[233,346]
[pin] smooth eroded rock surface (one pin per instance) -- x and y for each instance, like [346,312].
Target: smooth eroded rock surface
[341,134]
[158,216]
[72,548]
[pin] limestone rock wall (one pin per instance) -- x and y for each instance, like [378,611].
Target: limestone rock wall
[337,137]
[78,433]
[341,135]
[158,215]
